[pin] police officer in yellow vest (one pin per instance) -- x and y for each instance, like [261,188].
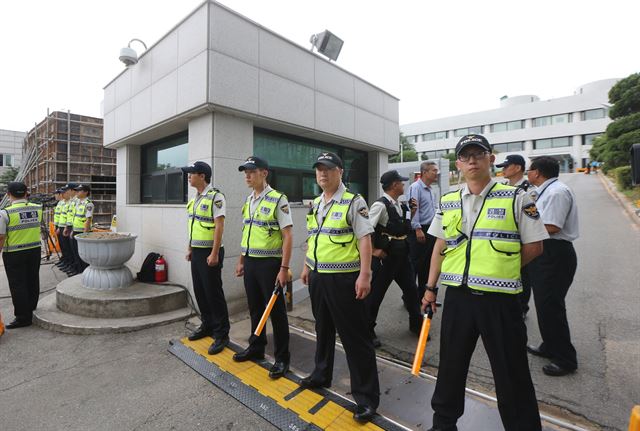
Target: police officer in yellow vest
[20,243]
[82,219]
[57,212]
[67,233]
[206,225]
[66,262]
[485,232]
[338,271]
[264,261]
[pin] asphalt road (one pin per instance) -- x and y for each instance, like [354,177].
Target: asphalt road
[603,308]
[53,381]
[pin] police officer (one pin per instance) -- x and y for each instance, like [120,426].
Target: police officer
[67,233]
[552,273]
[264,262]
[420,242]
[20,242]
[337,271]
[82,220]
[486,231]
[206,254]
[390,261]
[67,255]
[513,169]
[56,223]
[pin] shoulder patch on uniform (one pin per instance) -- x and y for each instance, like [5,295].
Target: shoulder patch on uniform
[285,209]
[531,211]
[218,204]
[364,212]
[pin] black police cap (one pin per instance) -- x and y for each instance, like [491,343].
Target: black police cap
[198,168]
[390,177]
[330,160]
[17,188]
[253,162]
[512,159]
[468,140]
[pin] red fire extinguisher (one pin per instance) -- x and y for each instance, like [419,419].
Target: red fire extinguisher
[160,274]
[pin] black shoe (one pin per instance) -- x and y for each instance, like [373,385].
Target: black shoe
[278,369]
[248,354]
[310,383]
[218,345]
[556,370]
[364,414]
[200,333]
[537,351]
[18,324]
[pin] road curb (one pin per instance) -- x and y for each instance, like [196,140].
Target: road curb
[634,213]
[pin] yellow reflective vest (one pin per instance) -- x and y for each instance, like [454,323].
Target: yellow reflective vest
[80,215]
[261,235]
[488,260]
[23,229]
[202,224]
[332,247]
[71,211]
[57,212]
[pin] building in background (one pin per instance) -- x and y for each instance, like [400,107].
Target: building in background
[10,149]
[218,88]
[563,128]
[66,147]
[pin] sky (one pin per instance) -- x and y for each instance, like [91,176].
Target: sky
[440,58]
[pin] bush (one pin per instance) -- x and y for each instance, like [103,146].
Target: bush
[623,177]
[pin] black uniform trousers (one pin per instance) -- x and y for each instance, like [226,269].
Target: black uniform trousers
[497,318]
[78,264]
[335,307]
[207,286]
[260,275]
[552,274]
[421,257]
[23,273]
[65,246]
[395,267]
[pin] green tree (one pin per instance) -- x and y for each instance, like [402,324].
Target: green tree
[6,177]
[409,153]
[613,146]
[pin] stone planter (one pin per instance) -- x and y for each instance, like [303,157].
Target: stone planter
[106,254]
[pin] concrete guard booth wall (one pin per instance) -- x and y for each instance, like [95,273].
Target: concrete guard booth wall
[212,81]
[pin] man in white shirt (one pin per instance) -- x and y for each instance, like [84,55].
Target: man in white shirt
[552,272]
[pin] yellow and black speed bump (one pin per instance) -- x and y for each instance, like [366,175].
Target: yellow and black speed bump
[282,402]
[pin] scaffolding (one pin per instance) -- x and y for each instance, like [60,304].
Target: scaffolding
[66,147]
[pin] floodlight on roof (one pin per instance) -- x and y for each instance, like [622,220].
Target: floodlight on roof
[327,44]
[128,55]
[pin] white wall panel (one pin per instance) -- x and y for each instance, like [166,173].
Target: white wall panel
[286,100]
[233,83]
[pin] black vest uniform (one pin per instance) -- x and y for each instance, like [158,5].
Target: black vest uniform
[397,267]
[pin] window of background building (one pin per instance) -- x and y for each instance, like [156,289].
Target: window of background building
[290,159]
[593,114]
[434,136]
[508,147]
[510,125]
[6,160]
[162,179]
[468,131]
[412,139]
[540,144]
[428,155]
[552,120]
[588,139]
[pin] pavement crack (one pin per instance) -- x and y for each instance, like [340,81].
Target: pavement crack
[37,378]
